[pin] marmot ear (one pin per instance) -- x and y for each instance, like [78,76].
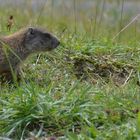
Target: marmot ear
[30,31]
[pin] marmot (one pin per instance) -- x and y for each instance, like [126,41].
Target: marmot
[17,47]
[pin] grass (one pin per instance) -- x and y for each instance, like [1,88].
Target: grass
[86,89]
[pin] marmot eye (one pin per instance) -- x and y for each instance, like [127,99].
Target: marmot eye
[48,35]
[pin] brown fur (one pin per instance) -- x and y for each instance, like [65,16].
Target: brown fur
[17,47]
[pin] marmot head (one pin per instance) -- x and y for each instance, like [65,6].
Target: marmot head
[38,40]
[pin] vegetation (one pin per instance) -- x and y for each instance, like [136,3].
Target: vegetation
[86,89]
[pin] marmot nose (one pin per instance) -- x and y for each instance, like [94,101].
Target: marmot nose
[58,42]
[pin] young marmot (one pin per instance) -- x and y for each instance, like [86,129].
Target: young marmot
[17,47]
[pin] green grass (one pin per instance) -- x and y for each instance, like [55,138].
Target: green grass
[86,89]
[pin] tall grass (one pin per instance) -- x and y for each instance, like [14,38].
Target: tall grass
[121,18]
[75,15]
[102,13]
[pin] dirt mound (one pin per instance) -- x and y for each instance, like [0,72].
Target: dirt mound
[102,68]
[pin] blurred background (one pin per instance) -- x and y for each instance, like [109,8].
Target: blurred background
[97,18]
